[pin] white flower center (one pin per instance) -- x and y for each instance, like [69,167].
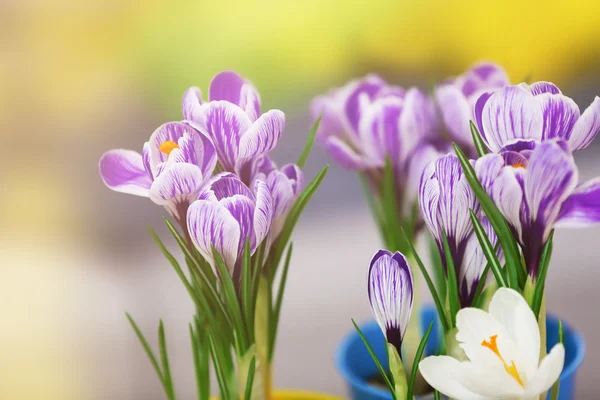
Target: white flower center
[491,343]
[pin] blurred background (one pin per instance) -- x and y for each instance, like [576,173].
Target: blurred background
[80,77]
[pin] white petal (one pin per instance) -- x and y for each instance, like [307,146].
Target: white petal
[511,309]
[445,374]
[491,381]
[548,372]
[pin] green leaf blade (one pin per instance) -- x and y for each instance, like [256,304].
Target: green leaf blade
[418,356]
[453,297]
[480,146]
[309,143]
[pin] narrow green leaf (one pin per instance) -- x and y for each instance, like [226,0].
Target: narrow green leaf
[436,395]
[162,344]
[488,250]
[149,352]
[439,274]
[219,370]
[309,143]
[200,352]
[453,299]
[438,304]
[257,267]
[418,356]
[478,141]
[250,380]
[501,227]
[232,301]
[247,303]
[477,298]
[561,339]
[390,216]
[375,359]
[279,301]
[540,283]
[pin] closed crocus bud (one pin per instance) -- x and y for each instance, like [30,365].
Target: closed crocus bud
[390,289]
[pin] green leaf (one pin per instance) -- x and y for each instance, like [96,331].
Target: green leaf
[232,302]
[561,339]
[478,141]
[200,352]
[250,380]
[439,274]
[453,299]
[279,301]
[375,359]
[375,212]
[397,371]
[436,299]
[501,227]
[309,143]
[540,283]
[418,356]
[488,250]
[247,302]
[219,370]
[391,218]
[162,344]
[436,395]
[262,322]
[477,298]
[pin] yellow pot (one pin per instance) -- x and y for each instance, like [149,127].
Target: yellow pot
[298,395]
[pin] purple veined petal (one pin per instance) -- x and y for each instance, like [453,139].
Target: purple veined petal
[192,99]
[250,101]
[456,112]
[418,120]
[263,214]
[211,224]
[491,75]
[560,115]
[507,193]
[344,155]
[587,127]
[478,113]
[164,140]
[429,197]
[225,123]
[361,94]
[521,146]
[227,86]
[422,156]
[551,177]
[296,177]
[514,159]
[390,292]
[179,184]
[487,169]
[282,191]
[262,136]
[330,108]
[265,166]
[123,171]
[582,207]
[225,185]
[541,87]
[146,159]
[509,114]
[470,271]
[379,131]
[195,148]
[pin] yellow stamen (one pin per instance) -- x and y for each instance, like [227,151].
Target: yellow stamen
[519,165]
[492,344]
[168,146]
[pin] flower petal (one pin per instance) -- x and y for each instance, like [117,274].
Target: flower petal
[417,121]
[123,171]
[509,114]
[262,136]
[420,158]
[560,114]
[225,185]
[379,131]
[344,155]
[227,86]
[429,197]
[250,101]
[582,207]
[169,132]
[456,112]
[329,107]
[192,99]
[587,127]
[551,177]
[362,93]
[445,374]
[179,183]
[264,212]
[242,209]
[547,373]
[513,312]
[541,87]
[211,224]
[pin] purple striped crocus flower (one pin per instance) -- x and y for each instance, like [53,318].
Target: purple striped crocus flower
[538,190]
[226,215]
[390,290]
[367,120]
[445,198]
[457,96]
[519,117]
[232,119]
[173,166]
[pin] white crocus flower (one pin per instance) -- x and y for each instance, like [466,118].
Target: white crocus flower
[503,347]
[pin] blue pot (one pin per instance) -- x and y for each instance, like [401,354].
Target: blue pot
[356,366]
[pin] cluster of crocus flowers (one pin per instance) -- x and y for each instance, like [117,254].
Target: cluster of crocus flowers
[236,210]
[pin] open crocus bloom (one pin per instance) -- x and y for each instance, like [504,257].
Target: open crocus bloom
[233,122]
[173,166]
[226,215]
[534,113]
[390,289]
[456,99]
[538,190]
[503,347]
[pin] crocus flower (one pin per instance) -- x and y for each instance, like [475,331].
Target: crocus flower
[517,116]
[445,198]
[538,190]
[173,166]
[456,99]
[503,347]
[232,120]
[226,215]
[390,289]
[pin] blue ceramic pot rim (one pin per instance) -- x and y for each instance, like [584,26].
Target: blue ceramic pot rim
[360,383]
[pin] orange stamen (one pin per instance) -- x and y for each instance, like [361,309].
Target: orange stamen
[492,344]
[519,165]
[168,146]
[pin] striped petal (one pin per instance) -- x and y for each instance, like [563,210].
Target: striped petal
[456,112]
[177,187]
[123,171]
[262,136]
[582,207]
[587,127]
